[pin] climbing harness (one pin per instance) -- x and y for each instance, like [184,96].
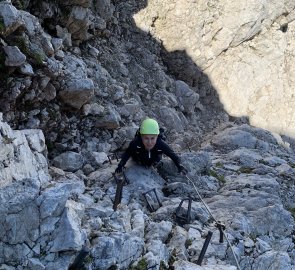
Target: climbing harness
[219,225]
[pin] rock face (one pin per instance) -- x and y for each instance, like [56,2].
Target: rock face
[77,92]
[22,155]
[35,218]
[243,174]
[76,80]
[14,56]
[243,46]
[58,58]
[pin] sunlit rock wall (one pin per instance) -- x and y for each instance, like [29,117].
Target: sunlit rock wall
[246,48]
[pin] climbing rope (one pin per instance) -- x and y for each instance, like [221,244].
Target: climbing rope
[209,211]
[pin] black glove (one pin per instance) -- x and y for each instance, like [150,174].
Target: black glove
[182,170]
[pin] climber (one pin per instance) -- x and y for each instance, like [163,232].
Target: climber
[147,148]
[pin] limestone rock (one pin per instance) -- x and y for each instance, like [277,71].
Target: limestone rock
[78,23]
[35,264]
[14,57]
[186,97]
[109,121]
[104,8]
[84,3]
[273,260]
[184,265]
[69,235]
[53,200]
[21,155]
[233,139]
[172,119]
[157,254]
[100,157]
[77,92]
[120,248]
[69,161]
[235,42]
[11,19]
[27,69]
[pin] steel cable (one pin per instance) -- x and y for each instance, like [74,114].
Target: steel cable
[209,211]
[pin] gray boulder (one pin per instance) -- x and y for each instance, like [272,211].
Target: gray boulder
[15,57]
[111,120]
[22,155]
[273,260]
[187,98]
[77,92]
[118,249]
[11,18]
[69,235]
[69,161]
[231,139]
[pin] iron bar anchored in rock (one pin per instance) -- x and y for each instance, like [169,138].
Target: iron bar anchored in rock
[181,218]
[204,248]
[119,191]
[220,227]
[112,157]
[149,201]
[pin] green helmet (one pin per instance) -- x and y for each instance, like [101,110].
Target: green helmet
[149,126]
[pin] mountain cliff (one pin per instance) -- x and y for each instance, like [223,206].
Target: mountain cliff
[78,77]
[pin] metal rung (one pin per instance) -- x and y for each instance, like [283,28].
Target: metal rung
[182,219]
[149,202]
[112,157]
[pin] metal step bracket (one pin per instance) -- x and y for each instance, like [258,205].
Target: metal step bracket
[150,201]
[181,218]
[113,156]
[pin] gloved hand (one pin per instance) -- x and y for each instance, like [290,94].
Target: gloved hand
[182,170]
[119,169]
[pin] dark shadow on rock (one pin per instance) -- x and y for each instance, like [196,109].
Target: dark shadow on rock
[180,66]
[145,51]
[183,68]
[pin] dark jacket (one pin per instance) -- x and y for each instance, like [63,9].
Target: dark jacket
[137,151]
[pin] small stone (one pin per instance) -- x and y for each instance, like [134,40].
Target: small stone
[14,57]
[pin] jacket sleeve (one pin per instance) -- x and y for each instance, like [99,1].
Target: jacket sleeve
[170,153]
[127,154]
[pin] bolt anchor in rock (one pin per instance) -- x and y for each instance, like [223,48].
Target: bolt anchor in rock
[221,228]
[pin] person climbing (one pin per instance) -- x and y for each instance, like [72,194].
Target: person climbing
[147,148]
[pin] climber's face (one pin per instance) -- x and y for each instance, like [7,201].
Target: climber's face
[149,141]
